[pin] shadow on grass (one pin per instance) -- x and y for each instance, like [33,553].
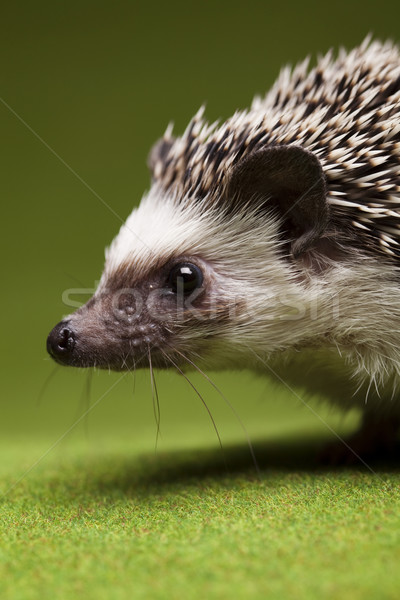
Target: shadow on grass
[150,473]
[113,475]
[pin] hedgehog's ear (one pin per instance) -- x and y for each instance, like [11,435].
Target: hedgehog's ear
[291,180]
[158,156]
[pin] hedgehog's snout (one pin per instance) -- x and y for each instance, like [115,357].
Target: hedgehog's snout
[61,342]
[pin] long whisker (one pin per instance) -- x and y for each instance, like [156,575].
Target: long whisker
[156,401]
[46,384]
[134,379]
[132,371]
[83,406]
[158,410]
[88,393]
[229,404]
[124,362]
[200,396]
[133,368]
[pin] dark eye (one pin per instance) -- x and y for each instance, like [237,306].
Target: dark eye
[186,277]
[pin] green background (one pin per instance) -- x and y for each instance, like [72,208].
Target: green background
[86,89]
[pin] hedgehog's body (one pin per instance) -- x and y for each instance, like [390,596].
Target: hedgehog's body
[270,242]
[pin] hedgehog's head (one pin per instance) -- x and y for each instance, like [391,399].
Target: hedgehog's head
[204,277]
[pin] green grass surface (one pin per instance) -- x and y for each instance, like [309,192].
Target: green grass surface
[98,513]
[185,525]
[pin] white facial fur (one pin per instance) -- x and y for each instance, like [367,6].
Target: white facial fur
[276,306]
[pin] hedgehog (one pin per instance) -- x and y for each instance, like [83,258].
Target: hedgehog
[269,242]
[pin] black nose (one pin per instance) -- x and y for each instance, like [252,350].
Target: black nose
[61,342]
